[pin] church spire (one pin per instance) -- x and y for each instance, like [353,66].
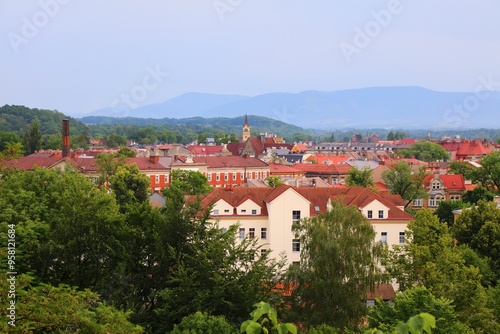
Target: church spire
[246,130]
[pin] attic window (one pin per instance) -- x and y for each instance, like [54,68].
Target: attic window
[316,208]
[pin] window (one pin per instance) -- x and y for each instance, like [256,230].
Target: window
[454,197]
[295,245]
[242,233]
[157,179]
[263,251]
[417,202]
[251,232]
[383,237]
[242,176]
[224,230]
[234,176]
[226,210]
[381,214]
[165,178]
[216,211]
[370,214]
[436,185]
[434,201]
[295,216]
[209,177]
[264,175]
[401,237]
[254,212]
[263,233]
[243,210]
[226,176]
[217,177]
[249,175]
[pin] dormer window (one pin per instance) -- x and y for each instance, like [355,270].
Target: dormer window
[436,185]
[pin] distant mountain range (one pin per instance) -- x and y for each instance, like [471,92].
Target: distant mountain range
[377,107]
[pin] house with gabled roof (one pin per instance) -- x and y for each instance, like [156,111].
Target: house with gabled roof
[466,150]
[441,187]
[332,174]
[268,213]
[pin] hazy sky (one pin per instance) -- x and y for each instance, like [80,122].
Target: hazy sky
[79,56]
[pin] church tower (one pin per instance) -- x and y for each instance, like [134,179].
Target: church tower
[246,130]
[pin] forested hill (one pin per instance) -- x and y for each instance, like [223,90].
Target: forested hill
[17,119]
[210,125]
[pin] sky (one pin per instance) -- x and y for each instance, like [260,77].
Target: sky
[80,56]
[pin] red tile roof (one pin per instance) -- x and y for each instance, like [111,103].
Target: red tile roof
[205,149]
[283,169]
[230,161]
[450,181]
[318,197]
[466,148]
[323,159]
[323,168]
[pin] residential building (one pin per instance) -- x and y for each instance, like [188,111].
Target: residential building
[268,213]
[468,150]
[332,174]
[441,187]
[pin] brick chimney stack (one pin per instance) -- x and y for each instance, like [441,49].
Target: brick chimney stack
[65,135]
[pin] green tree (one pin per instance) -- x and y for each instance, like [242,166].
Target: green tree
[362,178]
[489,172]
[188,182]
[477,194]
[67,230]
[432,260]
[13,150]
[32,138]
[400,135]
[273,181]
[461,167]
[385,315]
[115,140]
[108,165]
[479,228]
[125,152]
[390,136]
[43,308]
[402,181]
[52,141]
[129,186]
[8,137]
[203,323]
[426,151]
[82,140]
[445,210]
[265,320]
[338,267]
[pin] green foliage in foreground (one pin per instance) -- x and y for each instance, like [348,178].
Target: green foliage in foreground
[203,323]
[265,320]
[385,316]
[43,308]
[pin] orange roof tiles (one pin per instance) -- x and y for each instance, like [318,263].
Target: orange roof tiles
[318,197]
[450,181]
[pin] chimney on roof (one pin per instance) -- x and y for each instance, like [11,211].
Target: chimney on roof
[65,138]
[155,156]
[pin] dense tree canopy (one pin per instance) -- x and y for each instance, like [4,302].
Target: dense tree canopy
[362,178]
[432,260]
[426,151]
[338,267]
[401,180]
